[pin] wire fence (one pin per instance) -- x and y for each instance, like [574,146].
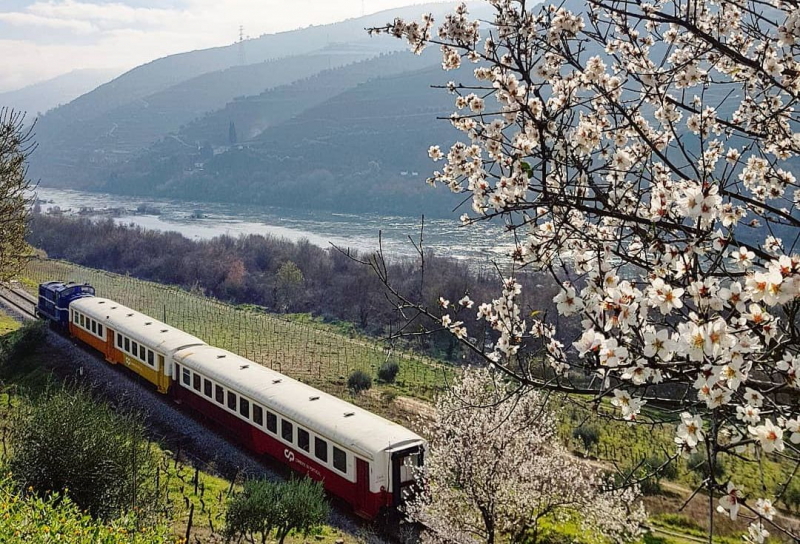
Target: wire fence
[311,354]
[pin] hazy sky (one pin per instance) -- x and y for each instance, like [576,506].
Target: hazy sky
[40,39]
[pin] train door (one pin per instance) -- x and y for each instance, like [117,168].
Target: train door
[404,463]
[110,343]
[362,484]
[164,374]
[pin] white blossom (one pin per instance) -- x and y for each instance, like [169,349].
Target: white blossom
[508,454]
[731,501]
[769,436]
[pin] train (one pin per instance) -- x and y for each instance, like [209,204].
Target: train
[360,457]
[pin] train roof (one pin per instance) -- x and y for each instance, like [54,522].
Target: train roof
[135,325]
[62,285]
[354,428]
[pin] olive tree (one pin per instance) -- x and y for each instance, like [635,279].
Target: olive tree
[643,154]
[252,512]
[66,441]
[264,507]
[16,144]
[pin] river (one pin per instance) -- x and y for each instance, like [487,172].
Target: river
[479,244]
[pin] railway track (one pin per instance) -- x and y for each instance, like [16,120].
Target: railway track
[18,301]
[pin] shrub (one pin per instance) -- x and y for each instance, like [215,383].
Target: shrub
[67,440]
[648,484]
[648,473]
[264,507]
[388,371]
[658,465]
[698,463]
[20,343]
[359,381]
[589,435]
[791,497]
[251,513]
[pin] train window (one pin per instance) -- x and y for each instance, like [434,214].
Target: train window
[82,320]
[232,401]
[258,415]
[220,394]
[99,330]
[119,340]
[151,359]
[321,449]
[94,326]
[142,352]
[244,408]
[187,376]
[127,344]
[303,439]
[272,423]
[339,460]
[207,388]
[287,431]
[75,317]
[134,348]
[196,383]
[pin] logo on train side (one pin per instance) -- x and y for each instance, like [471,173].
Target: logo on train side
[289,455]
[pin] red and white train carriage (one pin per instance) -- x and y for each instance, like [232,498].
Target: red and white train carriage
[359,456]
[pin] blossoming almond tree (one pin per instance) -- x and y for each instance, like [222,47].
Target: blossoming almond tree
[642,153]
[496,471]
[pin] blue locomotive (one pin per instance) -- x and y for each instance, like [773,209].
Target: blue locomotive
[55,298]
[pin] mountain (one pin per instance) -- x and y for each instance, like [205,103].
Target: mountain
[244,118]
[40,97]
[109,139]
[104,127]
[362,149]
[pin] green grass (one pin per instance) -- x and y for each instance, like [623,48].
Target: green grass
[675,523]
[8,324]
[30,519]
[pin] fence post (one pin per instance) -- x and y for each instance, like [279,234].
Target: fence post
[189,524]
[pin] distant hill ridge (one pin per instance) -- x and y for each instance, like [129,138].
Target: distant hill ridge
[364,148]
[44,95]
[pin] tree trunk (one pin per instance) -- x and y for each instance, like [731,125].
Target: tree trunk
[282,534]
[488,522]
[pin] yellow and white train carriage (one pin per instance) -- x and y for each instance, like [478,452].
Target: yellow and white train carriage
[125,336]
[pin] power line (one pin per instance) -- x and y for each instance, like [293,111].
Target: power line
[241,45]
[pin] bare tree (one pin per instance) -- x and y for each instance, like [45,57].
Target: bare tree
[16,144]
